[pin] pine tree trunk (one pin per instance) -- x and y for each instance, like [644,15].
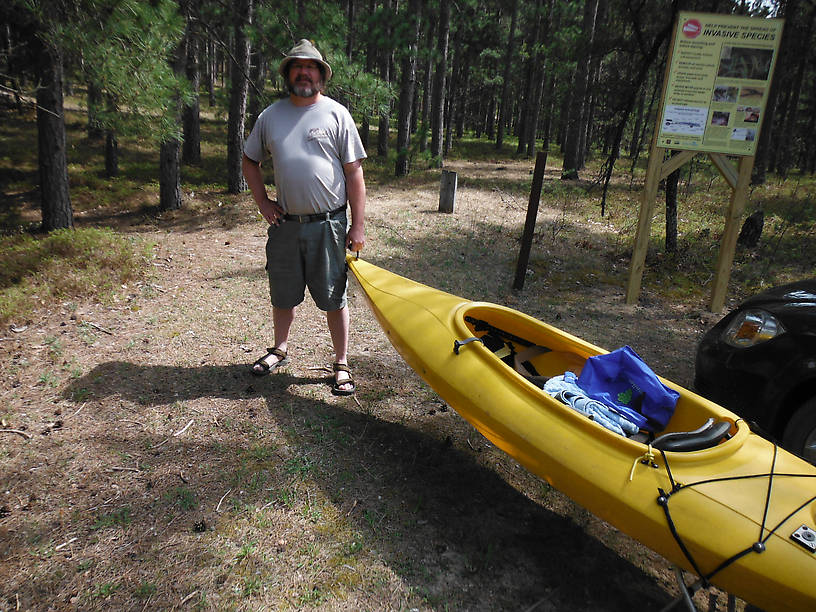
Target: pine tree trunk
[170,175]
[191,151]
[407,87]
[490,117]
[259,74]
[351,15]
[111,154]
[111,145]
[503,101]
[577,126]
[238,98]
[438,97]
[210,73]
[530,86]
[170,197]
[55,200]
[634,142]
[671,211]
[427,96]
[95,132]
[453,97]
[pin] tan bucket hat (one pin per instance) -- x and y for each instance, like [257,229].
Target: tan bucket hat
[305,50]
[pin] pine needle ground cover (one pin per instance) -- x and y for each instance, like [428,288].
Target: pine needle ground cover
[148,469]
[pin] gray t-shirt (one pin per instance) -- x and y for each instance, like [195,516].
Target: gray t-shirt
[308,146]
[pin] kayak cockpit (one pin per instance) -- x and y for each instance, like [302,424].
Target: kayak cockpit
[536,352]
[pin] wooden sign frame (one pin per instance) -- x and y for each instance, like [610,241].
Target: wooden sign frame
[739,177]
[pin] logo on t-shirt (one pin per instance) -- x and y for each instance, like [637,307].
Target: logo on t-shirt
[317,134]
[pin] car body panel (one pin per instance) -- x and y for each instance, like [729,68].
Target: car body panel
[767,382]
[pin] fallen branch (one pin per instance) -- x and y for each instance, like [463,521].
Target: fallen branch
[123,469]
[27,436]
[160,444]
[95,326]
[188,598]
[64,544]
[218,507]
[183,429]
[133,422]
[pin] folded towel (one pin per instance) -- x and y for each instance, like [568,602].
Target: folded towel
[564,389]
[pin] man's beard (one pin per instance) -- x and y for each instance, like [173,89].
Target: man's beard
[304,89]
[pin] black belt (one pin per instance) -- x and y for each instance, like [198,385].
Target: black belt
[315,217]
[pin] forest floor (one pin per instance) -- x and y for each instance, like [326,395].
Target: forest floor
[155,472]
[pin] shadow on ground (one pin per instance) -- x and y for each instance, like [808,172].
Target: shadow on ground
[429,503]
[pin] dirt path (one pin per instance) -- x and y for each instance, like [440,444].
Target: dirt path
[155,472]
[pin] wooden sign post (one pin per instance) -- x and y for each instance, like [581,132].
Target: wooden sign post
[447,191]
[713,101]
[529,223]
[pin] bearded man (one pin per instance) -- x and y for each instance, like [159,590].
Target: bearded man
[316,155]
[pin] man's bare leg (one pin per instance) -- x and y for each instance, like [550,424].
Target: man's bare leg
[338,321]
[282,319]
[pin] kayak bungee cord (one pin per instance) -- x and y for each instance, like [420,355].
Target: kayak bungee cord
[758,546]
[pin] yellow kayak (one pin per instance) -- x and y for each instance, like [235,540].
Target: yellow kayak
[727,505]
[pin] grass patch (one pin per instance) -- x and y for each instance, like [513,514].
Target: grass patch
[118,518]
[66,264]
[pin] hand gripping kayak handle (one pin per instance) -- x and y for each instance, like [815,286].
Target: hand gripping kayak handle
[460,343]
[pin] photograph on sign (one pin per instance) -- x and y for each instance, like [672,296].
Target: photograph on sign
[717,82]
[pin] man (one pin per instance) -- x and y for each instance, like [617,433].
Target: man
[317,156]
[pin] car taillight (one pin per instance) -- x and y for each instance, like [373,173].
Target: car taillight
[752,327]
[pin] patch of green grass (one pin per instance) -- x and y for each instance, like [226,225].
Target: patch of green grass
[89,264]
[299,466]
[118,518]
[247,550]
[105,590]
[145,590]
[251,586]
[183,497]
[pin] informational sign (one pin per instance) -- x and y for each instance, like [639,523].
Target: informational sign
[718,82]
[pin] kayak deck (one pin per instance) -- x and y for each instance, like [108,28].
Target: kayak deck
[732,506]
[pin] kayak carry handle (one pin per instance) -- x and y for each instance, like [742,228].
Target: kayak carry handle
[457,344]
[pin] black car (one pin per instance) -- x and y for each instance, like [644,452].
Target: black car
[760,362]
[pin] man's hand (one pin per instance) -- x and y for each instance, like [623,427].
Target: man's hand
[271,211]
[355,239]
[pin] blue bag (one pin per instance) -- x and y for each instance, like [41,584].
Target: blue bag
[623,381]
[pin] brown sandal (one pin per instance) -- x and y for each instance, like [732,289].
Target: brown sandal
[337,386]
[265,367]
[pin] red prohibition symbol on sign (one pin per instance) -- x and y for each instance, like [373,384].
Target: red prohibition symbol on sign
[692,28]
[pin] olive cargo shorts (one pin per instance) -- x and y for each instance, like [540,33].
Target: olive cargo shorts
[313,255]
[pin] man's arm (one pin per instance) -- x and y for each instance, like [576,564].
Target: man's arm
[356,192]
[254,178]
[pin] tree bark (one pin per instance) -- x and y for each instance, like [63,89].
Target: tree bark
[763,158]
[191,115]
[257,101]
[170,175]
[407,87]
[508,57]
[385,73]
[671,211]
[238,97]
[95,132]
[111,145]
[427,90]
[533,71]
[55,199]
[438,98]
[578,112]
[170,197]
[351,12]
